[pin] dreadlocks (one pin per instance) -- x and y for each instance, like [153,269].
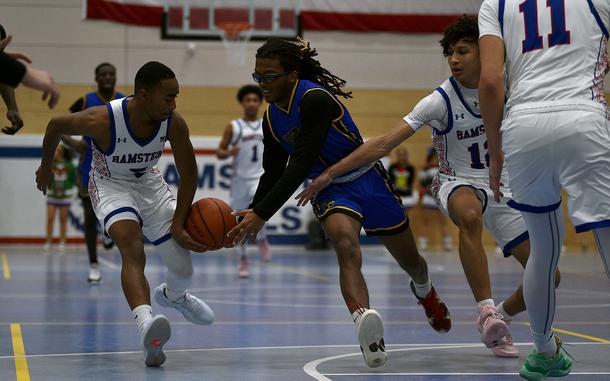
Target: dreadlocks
[299,56]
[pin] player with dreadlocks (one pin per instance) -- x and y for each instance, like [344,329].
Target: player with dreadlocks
[307,129]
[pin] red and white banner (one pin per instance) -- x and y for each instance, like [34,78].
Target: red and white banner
[400,16]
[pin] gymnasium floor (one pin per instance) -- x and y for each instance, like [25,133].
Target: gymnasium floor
[287,322]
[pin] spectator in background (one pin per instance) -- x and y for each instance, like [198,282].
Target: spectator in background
[402,174]
[431,215]
[60,195]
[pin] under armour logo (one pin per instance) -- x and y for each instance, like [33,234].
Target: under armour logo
[123,140]
[458,116]
[138,172]
[476,104]
[155,342]
[163,139]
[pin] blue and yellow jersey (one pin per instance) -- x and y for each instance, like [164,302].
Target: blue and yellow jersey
[342,139]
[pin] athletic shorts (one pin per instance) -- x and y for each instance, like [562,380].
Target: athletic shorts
[505,224]
[370,199]
[59,201]
[148,201]
[560,145]
[242,193]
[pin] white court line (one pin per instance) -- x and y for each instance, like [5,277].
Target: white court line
[311,367]
[264,348]
[231,349]
[456,374]
[378,307]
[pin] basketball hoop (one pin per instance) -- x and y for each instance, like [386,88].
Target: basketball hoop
[235,36]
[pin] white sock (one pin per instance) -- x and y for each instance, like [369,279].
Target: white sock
[142,314]
[486,302]
[546,236]
[421,290]
[179,268]
[505,315]
[357,315]
[602,239]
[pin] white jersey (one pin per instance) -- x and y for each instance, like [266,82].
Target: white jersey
[555,49]
[458,133]
[128,157]
[248,136]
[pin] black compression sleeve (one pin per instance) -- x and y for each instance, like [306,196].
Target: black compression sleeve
[11,70]
[275,158]
[318,110]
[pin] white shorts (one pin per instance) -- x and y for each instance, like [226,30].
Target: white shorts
[242,192]
[410,201]
[148,201]
[550,147]
[505,224]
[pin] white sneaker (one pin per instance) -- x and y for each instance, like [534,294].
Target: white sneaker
[370,337]
[47,246]
[155,334]
[61,246]
[95,275]
[192,308]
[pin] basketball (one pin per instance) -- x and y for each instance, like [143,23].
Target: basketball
[208,222]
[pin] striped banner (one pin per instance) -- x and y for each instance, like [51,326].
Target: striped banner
[399,16]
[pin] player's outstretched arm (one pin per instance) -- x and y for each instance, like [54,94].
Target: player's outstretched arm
[318,110]
[92,122]
[491,89]
[372,150]
[184,157]
[12,111]
[224,150]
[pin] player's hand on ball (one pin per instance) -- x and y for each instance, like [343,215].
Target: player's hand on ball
[184,239]
[316,186]
[44,177]
[496,163]
[247,229]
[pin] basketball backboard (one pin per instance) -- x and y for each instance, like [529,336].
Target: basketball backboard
[204,19]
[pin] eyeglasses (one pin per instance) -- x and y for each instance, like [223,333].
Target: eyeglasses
[267,78]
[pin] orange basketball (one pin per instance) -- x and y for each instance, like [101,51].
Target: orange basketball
[209,221]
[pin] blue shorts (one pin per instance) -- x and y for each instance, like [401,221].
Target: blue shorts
[370,199]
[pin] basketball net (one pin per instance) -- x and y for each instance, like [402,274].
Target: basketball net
[235,36]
